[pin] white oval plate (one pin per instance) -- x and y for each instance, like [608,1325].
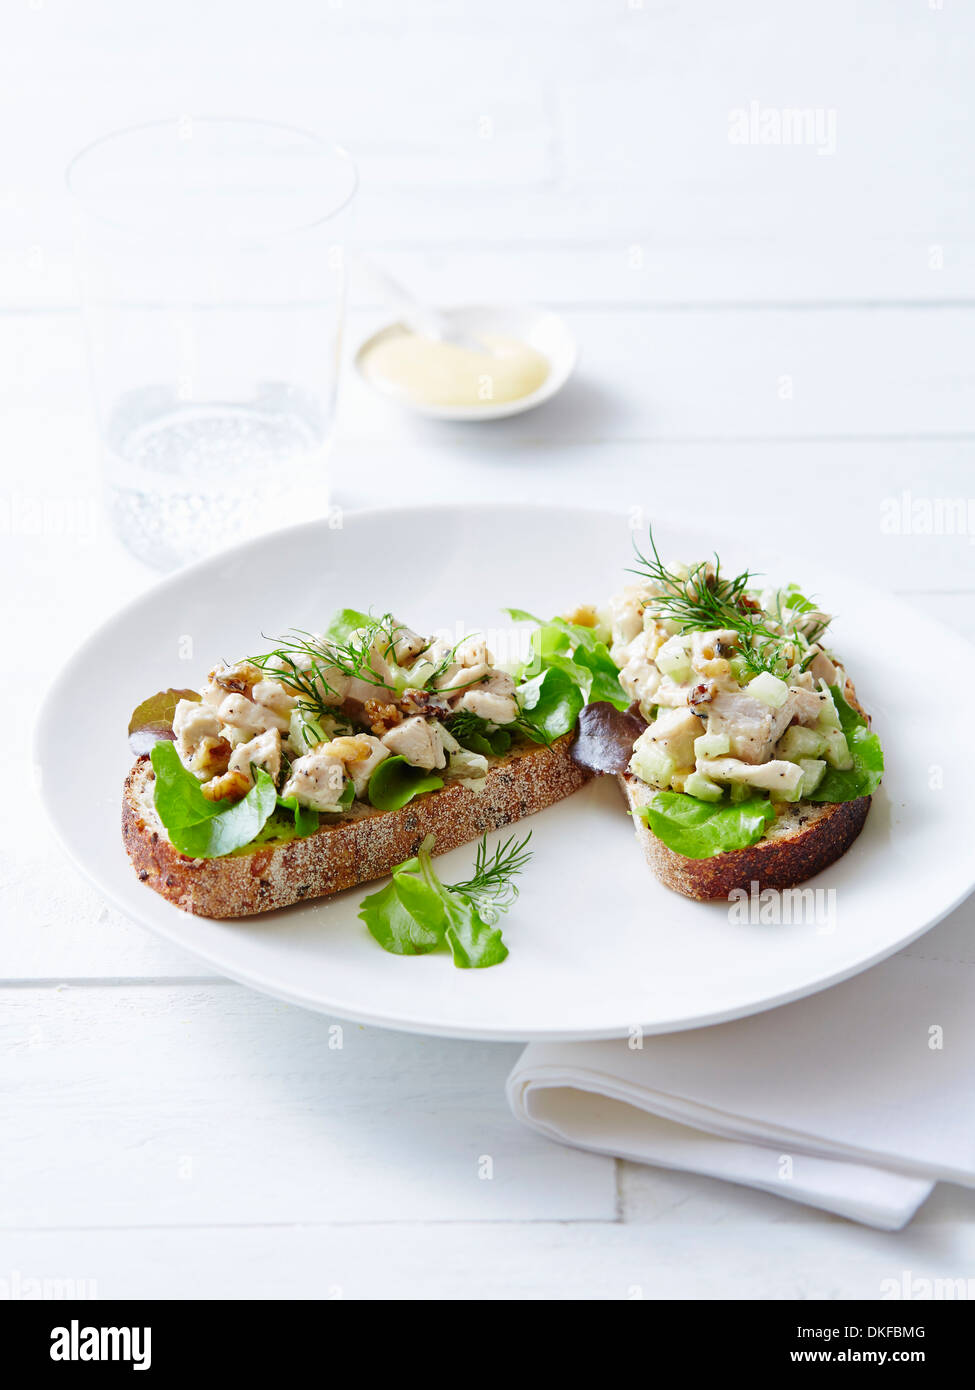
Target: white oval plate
[597,945]
[539,328]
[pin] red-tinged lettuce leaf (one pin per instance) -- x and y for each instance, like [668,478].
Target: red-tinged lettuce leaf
[152,721]
[606,736]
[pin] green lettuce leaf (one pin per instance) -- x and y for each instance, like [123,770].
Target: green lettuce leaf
[474,943]
[549,704]
[702,829]
[863,778]
[474,733]
[407,916]
[306,820]
[206,829]
[395,782]
[177,794]
[581,657]
[415,913]
[342,624]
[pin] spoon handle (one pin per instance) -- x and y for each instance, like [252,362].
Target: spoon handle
[421,318]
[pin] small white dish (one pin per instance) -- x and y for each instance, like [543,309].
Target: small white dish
[539,328]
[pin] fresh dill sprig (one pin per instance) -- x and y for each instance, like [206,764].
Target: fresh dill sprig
[464,724]
[303,662]
[491,888]
[353,655]
[299,662]
[704,599]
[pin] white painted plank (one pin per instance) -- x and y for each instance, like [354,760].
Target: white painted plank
[173,1106]
[704,1244]
[575,248]
[563,124]
[665,375]
[704,375]
[758,490]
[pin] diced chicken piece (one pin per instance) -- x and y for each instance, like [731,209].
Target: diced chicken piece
[202,749]
[673,733]
[486,704]
[752,728]
[624,617]
[492,699]
[274,696]
[472,663]
[417,741]
[296,660]
[407,644]
[639,676]
[355,688]
[194,721]
[252,718]
[361,769]
[472,652]
[264,751]
[821,668]
[317,779]
[773,776]
[670,695]
[805,705]
[379,648]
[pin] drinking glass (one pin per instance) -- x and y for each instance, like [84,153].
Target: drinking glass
[212,259]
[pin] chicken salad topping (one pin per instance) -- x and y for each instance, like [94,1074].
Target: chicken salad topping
[367,711]
[733,681]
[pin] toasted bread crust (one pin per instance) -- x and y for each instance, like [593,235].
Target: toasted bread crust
[345,853]
[806,838]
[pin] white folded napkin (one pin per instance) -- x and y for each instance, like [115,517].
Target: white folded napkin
[856,1100]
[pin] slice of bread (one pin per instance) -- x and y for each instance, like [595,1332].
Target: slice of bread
[345,853]
[805,838]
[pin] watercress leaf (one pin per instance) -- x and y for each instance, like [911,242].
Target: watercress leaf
[395,782]
[796,600]
[474,943]
[578,674]
[549,704]
[863,778]
[306,820]
[605,684]
[415,913]
[473,733]
[406,917]
[232,828]
[346,621]
[519,615]
[702,829]
[177,794]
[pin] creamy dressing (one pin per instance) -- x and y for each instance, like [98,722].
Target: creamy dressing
[429,372]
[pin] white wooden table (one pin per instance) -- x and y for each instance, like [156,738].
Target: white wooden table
[772,335]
